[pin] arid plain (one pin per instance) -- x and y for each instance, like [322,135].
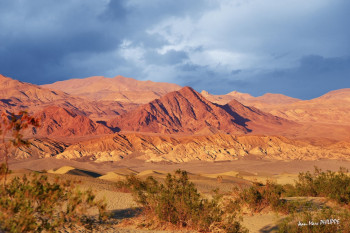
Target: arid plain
[99,130]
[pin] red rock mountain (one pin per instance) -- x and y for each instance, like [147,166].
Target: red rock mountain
[62,122]
[127,90]
[187,111]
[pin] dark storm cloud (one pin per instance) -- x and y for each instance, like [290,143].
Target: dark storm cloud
[44,40]
[314,76]
[40,35]
[251,46]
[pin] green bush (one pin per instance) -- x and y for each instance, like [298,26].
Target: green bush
[178,202]
[334,185]
[33,204]
[259,196]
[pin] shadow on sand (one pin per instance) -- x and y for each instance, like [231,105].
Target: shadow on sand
[268,229]
[126,213]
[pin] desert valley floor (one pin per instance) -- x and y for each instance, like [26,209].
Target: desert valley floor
[101,177]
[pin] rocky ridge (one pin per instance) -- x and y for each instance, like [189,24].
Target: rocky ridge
[218,147]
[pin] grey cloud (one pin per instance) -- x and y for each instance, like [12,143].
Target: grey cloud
[115,10]
[171,57]
[314,76]
[40,37]
[235,72]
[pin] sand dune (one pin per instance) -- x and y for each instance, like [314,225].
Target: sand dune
[74,171]
[111,176]
[61,170]
[151,173]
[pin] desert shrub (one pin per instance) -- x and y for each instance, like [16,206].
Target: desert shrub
[260,196]
[178,202]
[290,190]
[33,204]
[123,187]
[334,185]
[326,220]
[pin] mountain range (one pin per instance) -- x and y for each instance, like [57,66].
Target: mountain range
[74,111]
[330,108]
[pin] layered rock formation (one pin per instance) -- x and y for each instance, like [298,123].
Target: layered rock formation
[38,148]
[218,147]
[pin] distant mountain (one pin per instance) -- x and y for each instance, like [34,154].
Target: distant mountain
[334,96]
[16,96]
[274,99]
[224,99]
[247,99]
[119,88]
[187,111]
[331,108]
[13,92]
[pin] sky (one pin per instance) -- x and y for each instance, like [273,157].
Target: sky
[294,47]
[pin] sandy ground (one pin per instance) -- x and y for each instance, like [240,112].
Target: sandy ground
[261,167]
[207,176]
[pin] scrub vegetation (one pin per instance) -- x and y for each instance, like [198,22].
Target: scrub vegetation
[33,203]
